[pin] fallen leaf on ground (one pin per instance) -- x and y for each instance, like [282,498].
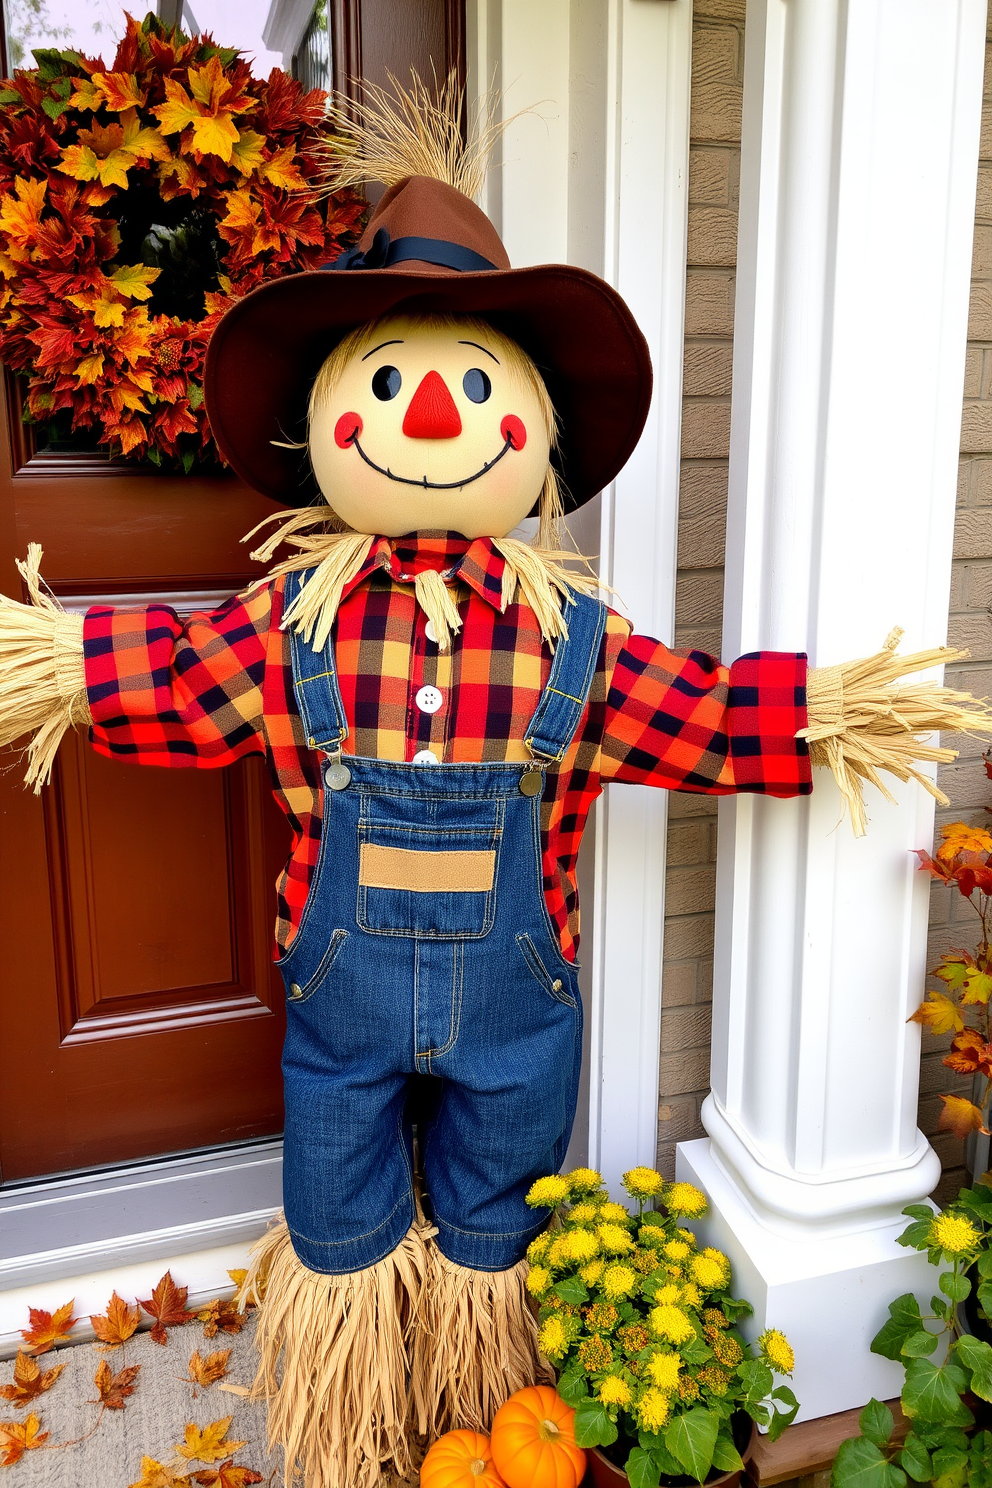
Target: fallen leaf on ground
[157,1475]
[114,1388]
[116,1325]
[47,1328]
[18,1437]
[227,1476]
[223,1316]
[208,1444]
[167,1305]
[209,1370]
[234,1389]
[29,1380]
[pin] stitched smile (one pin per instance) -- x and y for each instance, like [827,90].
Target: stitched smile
[405,480]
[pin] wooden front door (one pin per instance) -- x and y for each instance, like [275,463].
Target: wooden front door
[139,1010]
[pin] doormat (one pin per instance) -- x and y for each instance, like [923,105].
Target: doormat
[142,1414]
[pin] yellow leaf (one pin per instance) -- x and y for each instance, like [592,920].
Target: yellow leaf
[80,162]
[120,89]
[246,152]
[939,1014]
[239,1276]
[17,1437]
[977,987]
[20,215]
[208,1445]
[209,1370]
[959,1116]
[89,369]
[87,95]
[178,110]
[156,1475]
[106,309]
[242,212]
[210,88]
[214,136]
[144,142]
[134,280]
[280,170]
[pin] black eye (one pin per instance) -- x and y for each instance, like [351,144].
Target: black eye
[386,383]
[477,385]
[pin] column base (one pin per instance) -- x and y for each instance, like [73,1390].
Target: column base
[828,1293]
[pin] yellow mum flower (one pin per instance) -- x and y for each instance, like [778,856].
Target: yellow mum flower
[677,1249]
[619,1281]
[591,1274]
[615,1391]
[642,1183]
[646,1261]
[559,1253]
[584,1213]
[686,1235]
[539,1278]
[671,1323]
[683,1198]
[668,1293]
[538,1247]
[583,1180]
[777,1350]
[709,1273]
[580,1245]
[691,1295]
[663,1371]
[953,1233]
[653,1409]
[547,1193]
[553,1338]
[614,1239]
[613,1213]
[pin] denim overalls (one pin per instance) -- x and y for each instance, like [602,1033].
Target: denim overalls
[426,947]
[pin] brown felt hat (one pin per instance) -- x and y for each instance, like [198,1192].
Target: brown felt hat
[427,248]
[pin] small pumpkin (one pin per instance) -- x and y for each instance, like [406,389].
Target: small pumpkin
[533,1441]
[460,1459]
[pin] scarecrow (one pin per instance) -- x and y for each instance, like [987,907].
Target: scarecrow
[439,704]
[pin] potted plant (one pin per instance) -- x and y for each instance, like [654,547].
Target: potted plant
[639,1322]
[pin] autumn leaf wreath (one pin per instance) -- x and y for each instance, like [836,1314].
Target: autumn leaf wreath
[138,202]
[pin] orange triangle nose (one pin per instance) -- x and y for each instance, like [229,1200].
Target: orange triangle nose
[432,413]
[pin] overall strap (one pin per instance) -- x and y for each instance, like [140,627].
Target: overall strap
[550,731]
[315,682]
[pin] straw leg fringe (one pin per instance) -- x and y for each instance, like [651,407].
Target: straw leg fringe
[334,1360]
[475,1344]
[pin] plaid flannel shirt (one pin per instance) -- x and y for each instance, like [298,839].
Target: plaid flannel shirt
[219,687]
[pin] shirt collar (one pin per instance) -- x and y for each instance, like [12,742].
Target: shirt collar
[472,561]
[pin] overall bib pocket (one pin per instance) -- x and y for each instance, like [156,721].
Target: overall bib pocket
[433,876]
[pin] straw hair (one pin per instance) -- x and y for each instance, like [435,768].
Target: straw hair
[863,719]
[475,1343]
[334,1363]
[415,131]
[42,677]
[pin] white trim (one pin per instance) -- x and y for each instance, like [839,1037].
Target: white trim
[596,174]
[285,27]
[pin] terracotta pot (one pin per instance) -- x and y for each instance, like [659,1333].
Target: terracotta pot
[605,1474]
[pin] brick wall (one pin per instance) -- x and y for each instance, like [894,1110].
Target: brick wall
[952,921]
[714,168]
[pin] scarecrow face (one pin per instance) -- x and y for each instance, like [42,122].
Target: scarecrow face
[426,430]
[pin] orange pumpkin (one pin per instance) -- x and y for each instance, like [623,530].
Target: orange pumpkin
[533,1441]
[460,1459]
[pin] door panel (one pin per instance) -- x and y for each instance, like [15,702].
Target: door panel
[140,1013]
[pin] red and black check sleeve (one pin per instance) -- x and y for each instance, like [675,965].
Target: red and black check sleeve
[167,692]
[686,721]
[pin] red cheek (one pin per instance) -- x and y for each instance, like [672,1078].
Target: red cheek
[513,429]
[347,430]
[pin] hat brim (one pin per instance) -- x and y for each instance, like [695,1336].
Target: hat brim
[267,349]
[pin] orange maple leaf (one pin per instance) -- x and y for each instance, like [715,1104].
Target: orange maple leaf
[221,1315]
[18,1437]
[227,1476]
[210,112]
[120,90]
[114,1388]
[208,1444]
[938,1013]
[280,170]
[167,1305]
[208,1371]
[104,304]
[158,1475]
[29,1380]
[116,1325]
[960,1117]
[20,215]
[46,1329]
[959,837]
[969,1052]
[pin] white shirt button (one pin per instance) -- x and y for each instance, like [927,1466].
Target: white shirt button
[425,757]
[430,632]
[428,699]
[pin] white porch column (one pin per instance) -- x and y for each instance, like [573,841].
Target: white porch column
[861,122]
